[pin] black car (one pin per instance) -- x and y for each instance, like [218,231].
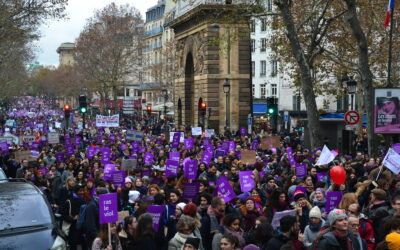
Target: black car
[26,218]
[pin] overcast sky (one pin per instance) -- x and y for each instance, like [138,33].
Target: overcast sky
[56,32]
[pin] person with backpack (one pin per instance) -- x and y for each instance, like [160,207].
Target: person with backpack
[90,216]
[70,214]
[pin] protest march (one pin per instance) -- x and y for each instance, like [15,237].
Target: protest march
[141,185]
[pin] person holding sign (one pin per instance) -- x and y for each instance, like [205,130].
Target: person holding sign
[102,241]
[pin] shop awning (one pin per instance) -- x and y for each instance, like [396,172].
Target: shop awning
[259,109]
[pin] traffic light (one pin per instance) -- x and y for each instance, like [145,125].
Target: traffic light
[82,104]
[203,108]
[148,109]
[272,105]
[67,111]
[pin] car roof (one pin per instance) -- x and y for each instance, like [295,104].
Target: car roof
[18,188]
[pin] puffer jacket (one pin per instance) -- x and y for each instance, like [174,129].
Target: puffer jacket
[328,241]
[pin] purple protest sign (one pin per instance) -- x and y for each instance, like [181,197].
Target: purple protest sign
[108,208]
[4,146]
[112,137]
[262,173]
[118,178]
[109,169]
[156,211]
[90,152]
[254,145]
[175,140]
[238,154]
[99,139]
[148,158]
[70,149]
[289,151]
[191,190]
[190,169]
[301,170]
[206,141]
[246,181]
[219,153]
[176,156]
[189,143]
[123,147]
[105,155]
[206,157]
[273,150]
[135,147]
[231,146]
[146,172]
[225,189]
[35,145]
[34,154]
[225,145]
[171,168]
[332,200]
[209,147]
[78,140]
[321,176]
[60,157]
[243,131]
[396,147]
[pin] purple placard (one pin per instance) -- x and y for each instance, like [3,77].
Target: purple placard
[34,154]
[146,172]
[191,190]
[321,176]
[189,143]
[148,158]
[78,140]
[35,145]
[273,150]
[301,170]
[225,189]
[396,147]
[171,168]
[206,141]
[246,181]
[225,145]
[289,151]
[175,140]
[108,208]
[156,211]
[190,169]
[60,157]
[206,157]
[332,200]
[219,153]
[231,146]
[243,131]
[254,145]
[70,149]
[4,146]
[208,147]
[123,147]
[135,147]
[118,178]
[238,154]
[90,152]
[105,155]
[175,156]
[99,139]
[109,169]
[112,137]
[262,173]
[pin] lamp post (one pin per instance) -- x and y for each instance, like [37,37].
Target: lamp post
[227,90]
[351,86]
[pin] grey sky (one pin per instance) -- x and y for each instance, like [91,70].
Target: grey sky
[56,32]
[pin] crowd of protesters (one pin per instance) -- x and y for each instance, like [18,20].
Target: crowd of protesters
[367,217]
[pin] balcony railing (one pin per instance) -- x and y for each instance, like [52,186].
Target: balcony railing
[154,31]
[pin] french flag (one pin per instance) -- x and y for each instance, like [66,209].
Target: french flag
[388,12]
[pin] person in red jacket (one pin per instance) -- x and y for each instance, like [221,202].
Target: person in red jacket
[366,229]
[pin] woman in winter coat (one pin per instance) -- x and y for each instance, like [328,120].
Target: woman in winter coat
[319,200]
[144,234]
[249,214]
[231,225]
[303,208]
[185,228]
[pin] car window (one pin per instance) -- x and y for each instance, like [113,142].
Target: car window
[23,210]
[2,174]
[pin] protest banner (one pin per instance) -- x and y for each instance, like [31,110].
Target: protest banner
[7,139]
[191,190]
[392,161]
[190,169]
[224,189]
[278,216]
[326,156]
[396,147]
[248,157]
[108,208]
[176,156]
[246,181]
[181,138]
[148,158]
[289,151]
[127,164]
[4,146]
[332,200]
[34,154]
[118,178]
[108,171]
[107,121]
[134,135]
[269,142]
[171,168]
[209,133]
[53,138]
[301,170]
[156,211]
[105,155]
[189,143]
[196,131]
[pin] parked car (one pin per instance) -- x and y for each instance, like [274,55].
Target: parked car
[3,176]
[26,218]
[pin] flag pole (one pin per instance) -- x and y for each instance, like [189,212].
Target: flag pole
[389,83]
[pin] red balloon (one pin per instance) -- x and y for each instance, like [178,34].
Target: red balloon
[338,175]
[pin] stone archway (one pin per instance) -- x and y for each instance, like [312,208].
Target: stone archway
[189,90]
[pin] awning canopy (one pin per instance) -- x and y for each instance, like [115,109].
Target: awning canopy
[259,109]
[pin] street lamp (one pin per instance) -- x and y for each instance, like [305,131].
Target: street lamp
[165,92]
[227,89]
[351,86]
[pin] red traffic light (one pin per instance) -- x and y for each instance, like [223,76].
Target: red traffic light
[148,108]
[67,107]
[203,105]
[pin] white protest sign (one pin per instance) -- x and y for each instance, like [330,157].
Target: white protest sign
[209,132]
[392,161]
[134,135]
[57,124]
[278,216]
[196,131]
[181,139]
[53,138]
[325,157]
[107,121]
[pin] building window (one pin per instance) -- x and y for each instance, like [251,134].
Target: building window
[253,89]
[263,44]
[263,71]
[274,90]
[263,91]
[253,45]
[269,5]
[253,68]
[274,67]
[253,25]
[296,103]
[263,24]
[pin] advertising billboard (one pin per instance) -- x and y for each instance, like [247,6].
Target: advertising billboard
[387,111]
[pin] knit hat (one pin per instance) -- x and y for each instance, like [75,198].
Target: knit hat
[128,180]
[90,179]
[133,196]
[393,241]
[190,209]
[336,214]
[251,247]
[315,212]
[181,205]
[380,194]
[298,194]
[195,242]
[320,190]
